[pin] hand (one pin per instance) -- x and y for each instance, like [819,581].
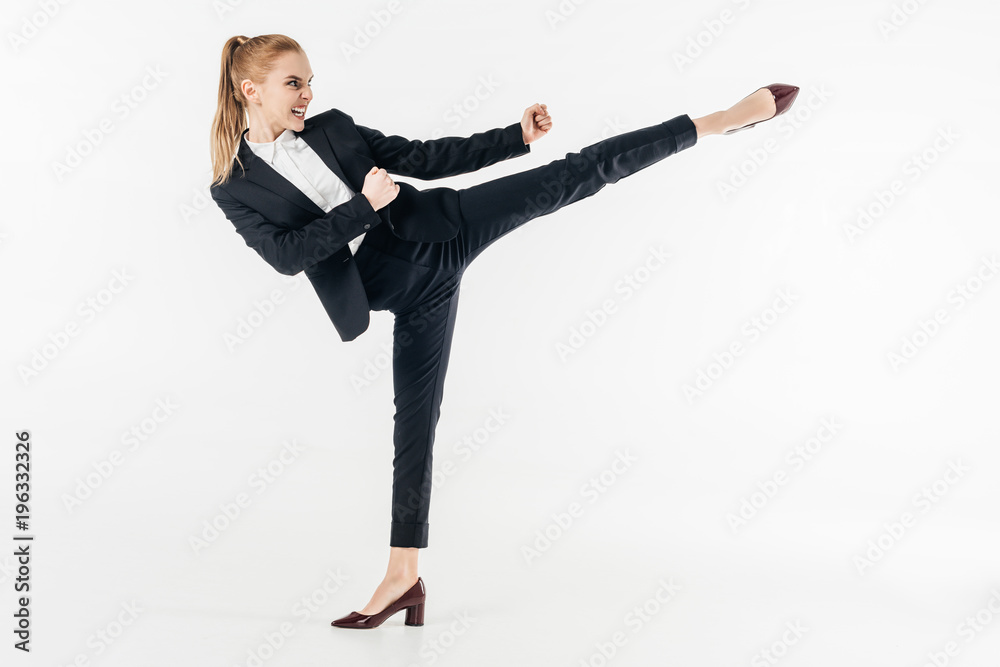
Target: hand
[379,188]
[535,123]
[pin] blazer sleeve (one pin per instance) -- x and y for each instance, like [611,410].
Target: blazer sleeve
[446,156]
[289,250]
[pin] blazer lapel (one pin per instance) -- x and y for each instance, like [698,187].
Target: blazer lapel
[322,144]
[260,172]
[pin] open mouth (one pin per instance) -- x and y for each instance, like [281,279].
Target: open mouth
[299,112]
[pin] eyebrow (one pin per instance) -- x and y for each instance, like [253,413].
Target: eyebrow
[298,78]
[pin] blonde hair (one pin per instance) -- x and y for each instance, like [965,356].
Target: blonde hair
[242,58]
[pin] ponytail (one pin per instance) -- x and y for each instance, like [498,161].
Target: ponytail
[242,58]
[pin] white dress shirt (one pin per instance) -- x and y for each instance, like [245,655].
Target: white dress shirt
[292,157]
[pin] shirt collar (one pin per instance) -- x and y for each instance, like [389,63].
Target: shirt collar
[265,150]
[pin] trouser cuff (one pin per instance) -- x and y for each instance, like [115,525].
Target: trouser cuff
[408,535]
[684,131]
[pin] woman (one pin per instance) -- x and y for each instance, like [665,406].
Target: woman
[312,195]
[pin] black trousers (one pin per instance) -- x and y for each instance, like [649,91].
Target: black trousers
[419,283]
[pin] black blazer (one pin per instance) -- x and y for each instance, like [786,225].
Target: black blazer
[293,234]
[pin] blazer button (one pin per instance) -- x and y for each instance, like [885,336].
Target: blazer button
[367,226]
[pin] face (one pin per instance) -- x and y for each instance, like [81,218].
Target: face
[274,102]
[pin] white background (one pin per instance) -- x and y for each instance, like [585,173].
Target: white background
[873,100]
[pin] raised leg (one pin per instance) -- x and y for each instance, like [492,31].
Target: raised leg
[495,208]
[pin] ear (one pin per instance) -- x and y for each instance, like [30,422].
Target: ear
[248,89]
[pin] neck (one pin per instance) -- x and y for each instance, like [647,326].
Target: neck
[261,130]
[263,135]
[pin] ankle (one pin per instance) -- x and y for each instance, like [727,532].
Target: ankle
[713,123]
[401,575]
[402,564]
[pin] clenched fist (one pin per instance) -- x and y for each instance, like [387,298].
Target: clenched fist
[379,188]
[535,123]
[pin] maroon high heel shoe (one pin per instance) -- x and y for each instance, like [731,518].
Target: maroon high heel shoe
[783,95]
[412,601]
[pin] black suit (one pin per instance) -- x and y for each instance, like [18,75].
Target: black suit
[293,234]
[413,265]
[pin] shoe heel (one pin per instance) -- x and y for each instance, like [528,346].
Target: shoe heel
[415,614]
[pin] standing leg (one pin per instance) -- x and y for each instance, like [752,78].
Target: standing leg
[423,335]
[495,208]
[424,302]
